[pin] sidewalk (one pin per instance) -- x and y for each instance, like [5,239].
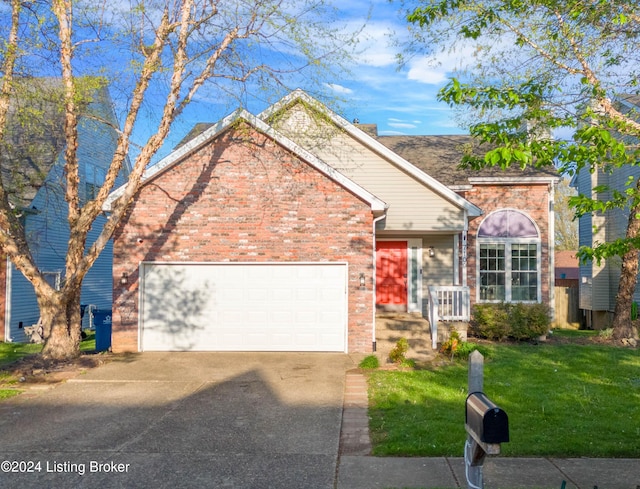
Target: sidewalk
[358,470]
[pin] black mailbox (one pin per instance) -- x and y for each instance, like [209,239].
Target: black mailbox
[486,420]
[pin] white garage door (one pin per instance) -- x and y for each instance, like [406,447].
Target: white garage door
[244,307]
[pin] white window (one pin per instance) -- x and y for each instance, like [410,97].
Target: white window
[508,258]
[53,279]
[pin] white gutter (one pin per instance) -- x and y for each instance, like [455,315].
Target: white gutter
[465,250]
[552,253]
[375,221]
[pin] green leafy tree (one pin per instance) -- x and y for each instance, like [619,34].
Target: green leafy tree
[540,66]
[155,58]
[566,225]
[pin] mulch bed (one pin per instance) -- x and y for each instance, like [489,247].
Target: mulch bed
[34,369]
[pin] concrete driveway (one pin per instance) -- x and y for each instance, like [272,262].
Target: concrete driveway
[181,420]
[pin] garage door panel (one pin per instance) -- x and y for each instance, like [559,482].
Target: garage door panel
[253,307]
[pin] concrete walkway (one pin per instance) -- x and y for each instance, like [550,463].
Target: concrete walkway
[358,470]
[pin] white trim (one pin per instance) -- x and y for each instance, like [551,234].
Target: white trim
[512,180]
[377,206]
[508,242]
[373,280]
[417,306]
[456,260]
[552,252]
[507,269]
[376,146]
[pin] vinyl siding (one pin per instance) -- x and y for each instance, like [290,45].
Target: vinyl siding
[413,207]
[585,239]
[599,283]
[48,233]
[601,274]
[438,269]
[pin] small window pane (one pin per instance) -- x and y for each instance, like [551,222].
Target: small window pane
[492,272]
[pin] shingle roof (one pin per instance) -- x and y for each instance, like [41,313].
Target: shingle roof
[440,157]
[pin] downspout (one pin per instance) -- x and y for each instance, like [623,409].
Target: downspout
[465,233]
[373,322]
[552,253]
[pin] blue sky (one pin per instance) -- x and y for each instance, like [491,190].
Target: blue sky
[400,100]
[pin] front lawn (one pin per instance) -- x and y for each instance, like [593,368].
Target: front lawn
[563,399]
[12,352]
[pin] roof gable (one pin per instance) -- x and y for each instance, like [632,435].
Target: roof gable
[371,143]
[206,134]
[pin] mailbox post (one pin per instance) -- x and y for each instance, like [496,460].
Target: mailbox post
[486,424]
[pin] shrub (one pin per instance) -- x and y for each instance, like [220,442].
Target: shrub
[528,321]
[398,352]
[490,321]
[606,334]
[369,362]
[517,321]
[456,347]
[450,347]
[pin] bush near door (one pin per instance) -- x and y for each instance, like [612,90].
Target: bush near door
[503,321]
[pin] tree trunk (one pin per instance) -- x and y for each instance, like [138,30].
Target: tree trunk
[61,321]
[622,326]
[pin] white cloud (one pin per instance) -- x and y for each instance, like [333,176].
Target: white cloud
[338,88]
[426,71]
[437,68]
[401,125]
[375,44]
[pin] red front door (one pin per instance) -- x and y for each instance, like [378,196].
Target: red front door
[391,273]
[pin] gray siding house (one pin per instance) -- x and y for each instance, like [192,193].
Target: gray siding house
[598,283]
[32,169]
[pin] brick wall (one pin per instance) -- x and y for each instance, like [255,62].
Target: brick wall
[532,200]
[243,198]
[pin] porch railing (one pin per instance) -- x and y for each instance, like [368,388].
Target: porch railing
[447,303]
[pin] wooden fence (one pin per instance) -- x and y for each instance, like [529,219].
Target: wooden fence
[567,310]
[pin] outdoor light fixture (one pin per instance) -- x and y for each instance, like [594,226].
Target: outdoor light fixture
[125,278]
[432,252]
[362,283]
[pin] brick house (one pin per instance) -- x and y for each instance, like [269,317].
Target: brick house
[287,231]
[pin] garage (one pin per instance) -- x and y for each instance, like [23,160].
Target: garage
[243,307]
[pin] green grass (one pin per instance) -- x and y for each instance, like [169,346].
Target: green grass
[11,352]
[563,400]
[88,345]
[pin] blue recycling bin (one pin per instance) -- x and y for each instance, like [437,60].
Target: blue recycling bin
[102,323]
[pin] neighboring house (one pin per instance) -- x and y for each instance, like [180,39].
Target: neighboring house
[32,171]
[567,269]
[288,230]
[599,281]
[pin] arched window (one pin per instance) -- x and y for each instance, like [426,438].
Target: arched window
[508,258]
